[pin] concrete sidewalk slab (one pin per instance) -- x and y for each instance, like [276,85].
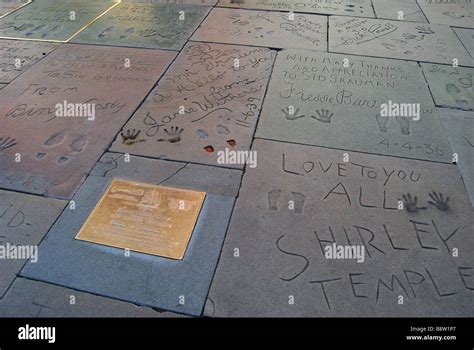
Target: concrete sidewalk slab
[32,299]
[221,181]
[458,13]
[450,87]
[459,126]
[467,39]
[402,10]
[176,285]
[360,8]
[338,107]
[151,26]
[264,28]
[52,20]
[24,221]
[208,102]
[396,39]
[417,260]
[8,6]
[64,147]
[18,56]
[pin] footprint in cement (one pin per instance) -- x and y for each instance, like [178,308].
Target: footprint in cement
[273,198]
[78,145]
[404,124]
[454,91]
[202,134]
[299,200]
[222,130]
[127,33]
[382,122]
[106,32]
[55,139]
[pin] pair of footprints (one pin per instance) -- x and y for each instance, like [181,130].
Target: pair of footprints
[353,8]
[298,200]
[130,137]
[126,33]
[403,122]
[457,94]
[174,136]
[221,130]
[404,44]
[76,146]
[439,201]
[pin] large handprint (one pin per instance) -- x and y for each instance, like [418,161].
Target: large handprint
[438,201]
[6,143]
[411,204]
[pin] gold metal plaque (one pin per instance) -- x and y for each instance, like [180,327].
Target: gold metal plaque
[144,218]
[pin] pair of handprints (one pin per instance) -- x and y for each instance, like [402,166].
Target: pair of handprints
[439,201]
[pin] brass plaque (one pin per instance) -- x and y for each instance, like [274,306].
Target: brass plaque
[144,218]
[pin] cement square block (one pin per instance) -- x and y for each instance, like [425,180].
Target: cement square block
[396,39]
[33,299]
[450,87]
[18,56]
[221,181]
[52,20]
[8,6]
[459,126]
[341,107]
[467,38]
[264,28]
[179,2]
[64,146]
[417,260]
[153,26]
[24,221]
[176,285]
[207,102]
[360,8]
[459,13]
[402,10]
